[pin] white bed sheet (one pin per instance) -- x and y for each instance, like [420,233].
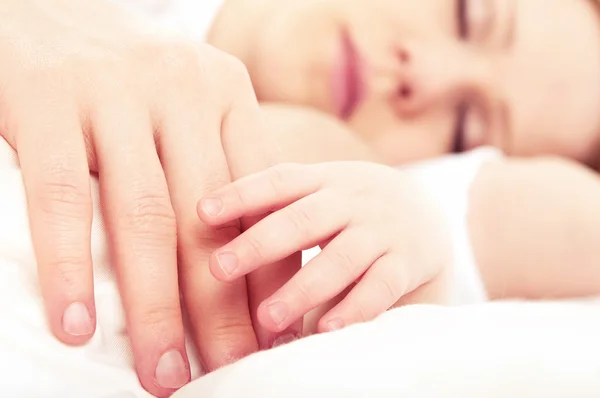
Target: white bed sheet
[487,350]
[499,350]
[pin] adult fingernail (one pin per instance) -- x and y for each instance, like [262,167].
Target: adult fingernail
[335,324]
[278,311]
[171,371]
[212,206]
[77,321]
[228,262]
[283,340]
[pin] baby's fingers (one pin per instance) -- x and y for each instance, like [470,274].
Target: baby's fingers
[340,264]
[299,226]
[259,193]
[378,290]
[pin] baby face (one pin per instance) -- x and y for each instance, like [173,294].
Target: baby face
[422,78]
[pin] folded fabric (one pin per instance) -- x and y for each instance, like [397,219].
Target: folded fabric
[491,350]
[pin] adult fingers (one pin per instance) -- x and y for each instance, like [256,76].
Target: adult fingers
[195,164]
[54,165]
[248,151]
[379,288]
[340,264]
[301,225]
[142,237]
[249,196]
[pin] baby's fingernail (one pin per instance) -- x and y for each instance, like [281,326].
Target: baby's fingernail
[212,206]
[171,371]
[278,312]
[283,340]
[335,324]
[77,321]
[228,262]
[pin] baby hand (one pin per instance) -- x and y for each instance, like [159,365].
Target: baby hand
[375,225]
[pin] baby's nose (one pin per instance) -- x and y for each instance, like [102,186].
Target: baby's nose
[430,74]
[407,91]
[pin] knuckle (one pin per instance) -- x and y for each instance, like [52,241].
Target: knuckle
[256,246]
[174,65]
[177,59]
[241,195]
[151,214]
[387,289]
[232,336]
[98,77]
[42,71]
[285,177]
[343,264]
[300,219]
[62,192]
[57,196]
[234,82]
[229,326]
[361,312]
[280,174]
[276,178]
[158,314]
[304,294]
[235,71]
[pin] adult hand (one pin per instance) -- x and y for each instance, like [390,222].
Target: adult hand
[243,160]
[85,88]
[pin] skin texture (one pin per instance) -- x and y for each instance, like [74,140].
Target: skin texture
[530,87]
[533,222]
[527,71]
[87,87]
[120,113]
[380,234]
[305,136]
[535,226]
